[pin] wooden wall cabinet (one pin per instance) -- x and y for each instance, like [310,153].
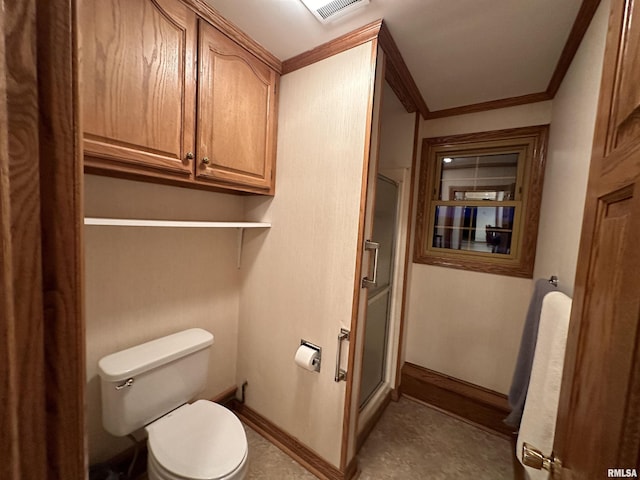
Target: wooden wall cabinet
[236,113]
[167,97]
[138,85]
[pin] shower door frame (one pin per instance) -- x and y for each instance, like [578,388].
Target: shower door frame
[381,395]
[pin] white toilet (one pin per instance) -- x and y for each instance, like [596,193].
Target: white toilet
[149,386]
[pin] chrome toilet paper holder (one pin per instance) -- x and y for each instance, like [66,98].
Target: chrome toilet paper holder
[318,360]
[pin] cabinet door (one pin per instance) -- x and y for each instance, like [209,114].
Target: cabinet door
[137,64]
[236,114]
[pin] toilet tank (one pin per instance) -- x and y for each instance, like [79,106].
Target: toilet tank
[142,383]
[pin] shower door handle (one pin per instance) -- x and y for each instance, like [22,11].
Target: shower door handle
[373,282]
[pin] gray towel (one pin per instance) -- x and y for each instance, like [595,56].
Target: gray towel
[520,381]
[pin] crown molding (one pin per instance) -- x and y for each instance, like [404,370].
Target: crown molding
[345,42]
[490,105]
[580,25]
[398,76]
[578,31]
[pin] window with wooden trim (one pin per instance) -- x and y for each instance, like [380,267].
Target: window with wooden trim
[479,200]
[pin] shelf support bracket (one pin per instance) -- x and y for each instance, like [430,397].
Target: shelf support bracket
[240,240]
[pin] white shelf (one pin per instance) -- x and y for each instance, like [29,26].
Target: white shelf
[127,222]
[130,222]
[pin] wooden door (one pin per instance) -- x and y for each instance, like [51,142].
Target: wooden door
[22,390]
[236,114]
[137,66]
[598,424]
[42,368]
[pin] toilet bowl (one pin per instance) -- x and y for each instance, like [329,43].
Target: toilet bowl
[148,386]
[199,441]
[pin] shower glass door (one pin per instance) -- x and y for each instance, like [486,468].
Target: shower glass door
[379,301]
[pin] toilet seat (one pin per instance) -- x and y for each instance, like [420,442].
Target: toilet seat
[155,471]
[198,441]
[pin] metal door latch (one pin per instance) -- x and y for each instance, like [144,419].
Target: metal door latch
[532,457]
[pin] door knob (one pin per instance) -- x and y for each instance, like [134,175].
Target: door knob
[532,457]
[206,161]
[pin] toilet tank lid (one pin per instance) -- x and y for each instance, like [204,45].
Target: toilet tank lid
[141,358]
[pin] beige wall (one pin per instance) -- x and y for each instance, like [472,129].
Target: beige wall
[396,133]
[570,143]
[512,117]
[468,324]
[298,279]
[143,283]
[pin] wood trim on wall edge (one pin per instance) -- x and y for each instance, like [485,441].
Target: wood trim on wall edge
[345,42]
[353,327]
[407,255]
[402,82]
[293,447]
[397,74]
[226,397]
[473,403]
[580,26]
[61,215]
[490,105]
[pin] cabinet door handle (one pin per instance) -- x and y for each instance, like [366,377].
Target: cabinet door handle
[190,156]
[206,161]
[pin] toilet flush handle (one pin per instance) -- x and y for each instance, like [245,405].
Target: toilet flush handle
[126,384]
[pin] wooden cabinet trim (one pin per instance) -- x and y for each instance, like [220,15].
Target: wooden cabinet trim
[128,172]
[234,33]
[97,150]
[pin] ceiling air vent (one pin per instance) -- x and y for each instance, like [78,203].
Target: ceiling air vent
[327,11]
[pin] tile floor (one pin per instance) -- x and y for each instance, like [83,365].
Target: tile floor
[411,442]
